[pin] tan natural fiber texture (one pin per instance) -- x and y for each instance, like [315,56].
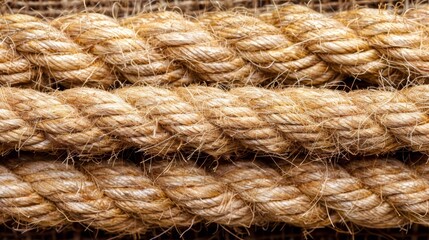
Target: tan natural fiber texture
[121,48]
[14,69]
[88,121]
[398,39]
[191,44]
[365,42]
[419,14]
[227,48]
[122,198]
[266,46]
[55,8]
[50,49]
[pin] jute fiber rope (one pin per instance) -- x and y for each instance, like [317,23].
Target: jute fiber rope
[379,35]
[218,48]
[88,121]
[420,14]
[122,198]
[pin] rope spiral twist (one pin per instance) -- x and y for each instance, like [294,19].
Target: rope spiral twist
[122,198]
[226,48]
[159,121]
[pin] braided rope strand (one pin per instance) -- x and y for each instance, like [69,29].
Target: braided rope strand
[122,48]
[232,49]
[265,46]
[122,198]
[159,121]
[376,45]
[48,48]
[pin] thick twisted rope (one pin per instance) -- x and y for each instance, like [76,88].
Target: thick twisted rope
[395,37]
[265,45]
[122,198]
[52,51]
[364,42]
[14,69]
[87,121]
[218,48]
[190,43]
[121,48]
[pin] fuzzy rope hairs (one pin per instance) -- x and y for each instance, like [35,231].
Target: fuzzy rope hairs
[70,64]
[374,43]
[87,121]
[375,193]
[227,48]
[265,45]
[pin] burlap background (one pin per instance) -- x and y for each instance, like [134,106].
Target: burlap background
[54,8]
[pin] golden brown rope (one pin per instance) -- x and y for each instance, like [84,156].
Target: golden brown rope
[366,43]
[217,48]
[190,43]
[14,69]
[265,46]
[121,48]
[88,121]
[419,14]
[51,50]
[397,38]
[123,198]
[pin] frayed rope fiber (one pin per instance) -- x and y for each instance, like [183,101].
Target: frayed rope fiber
[228,48]
[122,198]
[88,121]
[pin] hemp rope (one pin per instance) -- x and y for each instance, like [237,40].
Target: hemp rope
[218,48]
[380,35]
[122,198]
[420,14]
[14,69]
[158,121]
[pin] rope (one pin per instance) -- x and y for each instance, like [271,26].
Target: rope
[217,48]
[88,121]
[122,198]
[420,14]
[367,42]
[14,69]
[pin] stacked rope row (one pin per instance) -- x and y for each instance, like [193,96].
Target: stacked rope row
[159,121]
[228,48]
[293,46]
[122,198]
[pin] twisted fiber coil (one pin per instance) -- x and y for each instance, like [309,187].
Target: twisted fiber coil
[14,69]
[122,198]
[420,14]
[69,64]
[266,46]
[88,121]
[218,48]
[379,35]
[261,44]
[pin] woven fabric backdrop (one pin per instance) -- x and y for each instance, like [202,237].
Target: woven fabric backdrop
[54,8]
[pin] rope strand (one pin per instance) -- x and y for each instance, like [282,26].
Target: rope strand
[337,44]
[159,121]
[122,198]
[58,56]
[266,47]
[191,44]
[225,48]
[121,48]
